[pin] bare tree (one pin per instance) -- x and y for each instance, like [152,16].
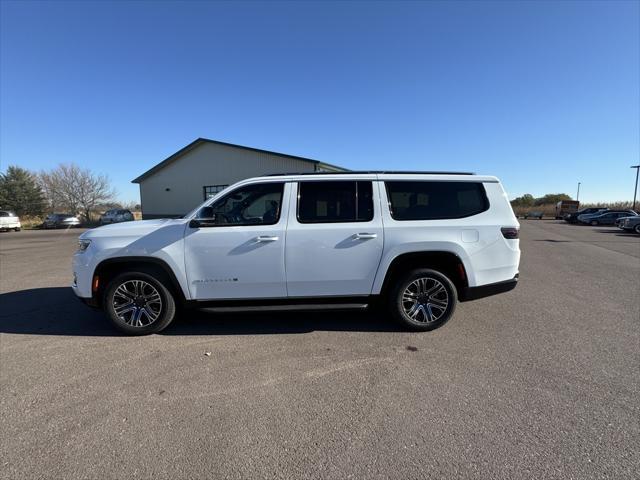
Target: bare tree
[131,205]
[49,189]
[76,189]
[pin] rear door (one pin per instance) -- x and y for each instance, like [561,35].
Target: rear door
[334,238]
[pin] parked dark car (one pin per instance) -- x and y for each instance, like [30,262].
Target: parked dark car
[61,220]
[116,215]
[629,224]
[573,217]
[608,218]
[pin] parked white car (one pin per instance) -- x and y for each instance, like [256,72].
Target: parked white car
[9,221]
[417,241]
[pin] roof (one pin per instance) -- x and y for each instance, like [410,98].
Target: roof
[376,175]
[385,172]
[199,141]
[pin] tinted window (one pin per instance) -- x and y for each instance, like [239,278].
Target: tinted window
[4,214]
[332,202]
[258,204]
[435,200]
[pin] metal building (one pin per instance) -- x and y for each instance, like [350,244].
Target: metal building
[204,167]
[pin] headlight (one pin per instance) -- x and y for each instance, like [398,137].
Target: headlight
[83,245]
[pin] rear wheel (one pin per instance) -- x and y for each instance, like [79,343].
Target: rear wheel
[138,304]
[594,223]
[637,228]
[17,229]
[423,300]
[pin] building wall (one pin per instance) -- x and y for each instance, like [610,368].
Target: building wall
[207,164]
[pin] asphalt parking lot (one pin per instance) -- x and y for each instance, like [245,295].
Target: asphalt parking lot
[541,382]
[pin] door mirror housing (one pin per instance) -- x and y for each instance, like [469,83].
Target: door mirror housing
[205,218]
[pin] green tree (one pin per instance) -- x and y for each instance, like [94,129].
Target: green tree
[20,192]
[526,200]
[552,198]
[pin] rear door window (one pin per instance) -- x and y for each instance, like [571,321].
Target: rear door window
[335,202]
[423,200]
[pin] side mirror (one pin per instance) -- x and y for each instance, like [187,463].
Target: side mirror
[205,218]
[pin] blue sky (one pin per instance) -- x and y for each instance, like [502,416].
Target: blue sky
[541,94]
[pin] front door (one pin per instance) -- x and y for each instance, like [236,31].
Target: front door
[334,239]
[238,251]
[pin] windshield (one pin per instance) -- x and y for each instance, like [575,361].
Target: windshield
[208,201]
[195,210]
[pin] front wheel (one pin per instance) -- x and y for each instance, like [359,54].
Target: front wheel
[423,300]
[594,223]
[138,304]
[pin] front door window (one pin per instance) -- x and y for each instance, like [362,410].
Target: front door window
[251,205]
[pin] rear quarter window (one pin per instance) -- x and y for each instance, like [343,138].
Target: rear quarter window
[423,200]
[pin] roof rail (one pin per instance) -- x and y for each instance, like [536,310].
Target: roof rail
[352,172]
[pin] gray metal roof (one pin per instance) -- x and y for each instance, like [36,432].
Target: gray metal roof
[196,143]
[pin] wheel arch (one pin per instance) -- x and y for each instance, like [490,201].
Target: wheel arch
[109,268]
[446,262]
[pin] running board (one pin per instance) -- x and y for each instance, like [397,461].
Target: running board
[280,308]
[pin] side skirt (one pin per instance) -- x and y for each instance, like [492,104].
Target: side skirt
[284,304]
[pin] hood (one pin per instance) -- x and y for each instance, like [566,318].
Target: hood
[131,229]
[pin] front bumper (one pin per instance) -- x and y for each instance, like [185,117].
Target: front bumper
[474,293]
[90,302]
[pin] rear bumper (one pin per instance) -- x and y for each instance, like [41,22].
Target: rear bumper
[10,226]
[474,293]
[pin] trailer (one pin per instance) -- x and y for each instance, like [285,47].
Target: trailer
[566,207]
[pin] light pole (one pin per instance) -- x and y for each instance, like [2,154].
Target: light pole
[578,194]
[635,191]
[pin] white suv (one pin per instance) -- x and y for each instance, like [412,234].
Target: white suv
[418,241]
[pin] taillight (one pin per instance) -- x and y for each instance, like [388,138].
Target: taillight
[510,233]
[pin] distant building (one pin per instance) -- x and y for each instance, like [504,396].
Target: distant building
[204,167]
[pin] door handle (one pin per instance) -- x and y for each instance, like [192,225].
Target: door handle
[365,236]
[266,238]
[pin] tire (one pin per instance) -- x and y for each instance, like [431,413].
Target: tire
[637,229]
[17,229]
[157,314]
[440,309]
[594,223]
